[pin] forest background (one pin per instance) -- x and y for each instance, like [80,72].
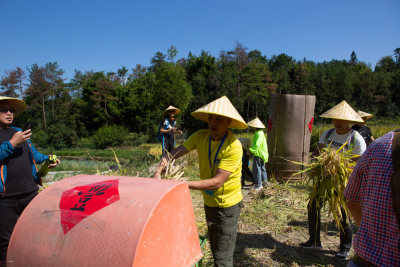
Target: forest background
[98,109]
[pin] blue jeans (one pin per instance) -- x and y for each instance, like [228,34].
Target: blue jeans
[259,172]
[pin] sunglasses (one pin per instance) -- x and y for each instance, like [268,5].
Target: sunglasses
[5,110]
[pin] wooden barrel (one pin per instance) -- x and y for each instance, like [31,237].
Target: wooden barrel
[289,134]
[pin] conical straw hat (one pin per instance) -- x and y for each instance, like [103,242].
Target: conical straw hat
[245,142]
[342,111]
[176,110]
[223,107]
[365,115]
[17,104]
[256,123]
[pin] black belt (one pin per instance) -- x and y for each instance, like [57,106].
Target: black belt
[360,262]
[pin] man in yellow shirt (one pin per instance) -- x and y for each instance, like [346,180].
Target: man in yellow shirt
[220,162]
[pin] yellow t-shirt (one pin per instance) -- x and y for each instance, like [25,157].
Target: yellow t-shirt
[229,158]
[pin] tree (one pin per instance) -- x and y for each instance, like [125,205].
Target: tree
[386,64]
[254,83]
[397,56]
[157,60]
[256,56]
[122,73]
[172,52]
[102,95]
[38,90]
[353,58]
[138,72]
[280,66]
[13,83]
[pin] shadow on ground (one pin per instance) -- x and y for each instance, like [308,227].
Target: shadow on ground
[264,250]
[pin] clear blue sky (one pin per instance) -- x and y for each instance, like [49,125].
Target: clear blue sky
[103,35]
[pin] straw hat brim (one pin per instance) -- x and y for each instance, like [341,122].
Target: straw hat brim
[18,105]
[342,111]
[365,115]
[256,123]
[176,110]
[222,107]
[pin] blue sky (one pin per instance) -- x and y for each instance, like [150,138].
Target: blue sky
[106,35]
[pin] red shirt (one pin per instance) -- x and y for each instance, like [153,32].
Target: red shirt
[378,236]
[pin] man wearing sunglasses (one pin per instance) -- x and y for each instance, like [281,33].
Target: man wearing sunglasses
[18,159]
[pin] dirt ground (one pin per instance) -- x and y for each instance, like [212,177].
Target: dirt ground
[273,222]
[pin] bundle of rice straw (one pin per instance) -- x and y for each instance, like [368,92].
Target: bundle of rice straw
[329,173]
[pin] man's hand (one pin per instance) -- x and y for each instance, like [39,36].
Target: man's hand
[20,137]
[54,164]
[161,166]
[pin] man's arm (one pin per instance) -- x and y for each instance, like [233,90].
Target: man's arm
[213,183]
[166,130]
[355,210]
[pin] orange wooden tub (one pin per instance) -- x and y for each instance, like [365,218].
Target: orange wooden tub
[93,220]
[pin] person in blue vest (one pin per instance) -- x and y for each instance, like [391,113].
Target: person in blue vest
[19,177]
[342,115]
[168,129]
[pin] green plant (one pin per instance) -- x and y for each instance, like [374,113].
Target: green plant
[109,136]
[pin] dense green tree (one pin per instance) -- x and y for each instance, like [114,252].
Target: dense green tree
[46,84]
[386,64]
[64,112]
[254,81]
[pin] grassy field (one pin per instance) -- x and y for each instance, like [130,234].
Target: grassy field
[272,223]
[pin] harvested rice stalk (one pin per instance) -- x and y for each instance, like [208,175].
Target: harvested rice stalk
[329,173]
[172,171]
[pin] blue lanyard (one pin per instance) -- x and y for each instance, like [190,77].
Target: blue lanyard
[215,158]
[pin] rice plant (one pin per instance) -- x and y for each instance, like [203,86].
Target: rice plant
[329,173]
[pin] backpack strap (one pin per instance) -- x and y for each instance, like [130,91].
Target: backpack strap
[352,139]
[328,134]
[395,178]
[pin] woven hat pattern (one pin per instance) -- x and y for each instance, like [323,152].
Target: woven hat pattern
[365,115]
[176,110]
[342,111]
[223,107]
[18,104]
[256,123]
